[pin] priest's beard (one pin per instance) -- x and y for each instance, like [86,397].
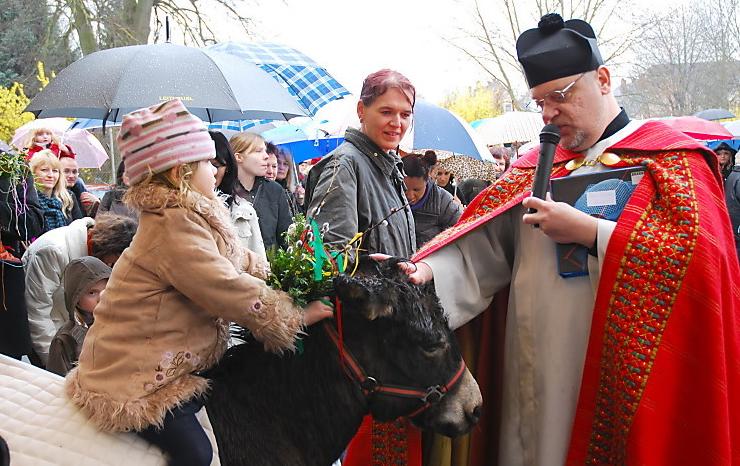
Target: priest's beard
[577,140]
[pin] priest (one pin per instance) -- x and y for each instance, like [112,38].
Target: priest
[636,362]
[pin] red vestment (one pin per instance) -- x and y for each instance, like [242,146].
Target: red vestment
[661,377]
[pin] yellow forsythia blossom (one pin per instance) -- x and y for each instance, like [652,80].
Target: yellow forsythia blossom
[12,103]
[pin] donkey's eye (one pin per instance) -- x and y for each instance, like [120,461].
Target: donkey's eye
[432,349]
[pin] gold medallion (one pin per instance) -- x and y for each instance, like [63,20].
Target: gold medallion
[575,163]
[609,159]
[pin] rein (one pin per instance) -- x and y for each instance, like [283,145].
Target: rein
[371,386]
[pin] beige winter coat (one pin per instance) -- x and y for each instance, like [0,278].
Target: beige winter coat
[164,314]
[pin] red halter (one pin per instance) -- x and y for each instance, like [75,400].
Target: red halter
[370,385]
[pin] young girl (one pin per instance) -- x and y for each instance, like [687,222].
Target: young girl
[54,197]
[43,138]
[267,197]
[243,215]
[164,316]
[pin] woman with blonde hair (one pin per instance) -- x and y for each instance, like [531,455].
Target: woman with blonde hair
[54,197]
[268,197]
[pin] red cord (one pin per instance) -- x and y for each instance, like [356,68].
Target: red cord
[340,327]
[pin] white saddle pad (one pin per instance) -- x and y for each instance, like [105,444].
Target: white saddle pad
[43,428]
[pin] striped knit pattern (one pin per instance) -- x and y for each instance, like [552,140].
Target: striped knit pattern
[157,138]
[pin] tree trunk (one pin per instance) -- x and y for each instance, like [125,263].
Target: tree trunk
[82,22]
[137,20]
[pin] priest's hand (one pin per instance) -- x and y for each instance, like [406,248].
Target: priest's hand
[561,222]
[418,272]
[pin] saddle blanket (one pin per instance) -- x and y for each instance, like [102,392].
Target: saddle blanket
[42,428]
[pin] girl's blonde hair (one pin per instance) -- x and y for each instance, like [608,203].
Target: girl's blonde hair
[32,137]
[59,191]
[136,195]
[244,143]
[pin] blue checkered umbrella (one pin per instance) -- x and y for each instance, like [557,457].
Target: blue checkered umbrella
[306,80]
[242,125]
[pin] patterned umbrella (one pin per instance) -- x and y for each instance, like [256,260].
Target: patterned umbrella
[305,79]
[464,167]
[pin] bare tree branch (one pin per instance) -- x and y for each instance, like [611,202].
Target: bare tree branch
[491,44]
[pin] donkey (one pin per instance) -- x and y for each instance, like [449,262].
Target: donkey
[396,357]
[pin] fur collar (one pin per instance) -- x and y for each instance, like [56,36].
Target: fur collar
[155,198]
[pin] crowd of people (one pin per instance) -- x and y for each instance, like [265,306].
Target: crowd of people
[130,297]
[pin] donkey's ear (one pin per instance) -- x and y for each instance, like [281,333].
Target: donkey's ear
[363,296]
[350,289]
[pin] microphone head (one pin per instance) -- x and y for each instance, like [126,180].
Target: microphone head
[550,133]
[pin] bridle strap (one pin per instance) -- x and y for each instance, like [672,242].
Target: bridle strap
[370,385]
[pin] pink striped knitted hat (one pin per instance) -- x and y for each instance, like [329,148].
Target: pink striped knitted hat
[160,137]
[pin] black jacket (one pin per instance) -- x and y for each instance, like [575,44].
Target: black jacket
[732,197]
[21,220]
[271,203]
[438,213]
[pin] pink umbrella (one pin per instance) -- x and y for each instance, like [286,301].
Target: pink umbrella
[698,128]
[90,152]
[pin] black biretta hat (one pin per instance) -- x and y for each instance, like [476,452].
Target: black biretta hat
[557,48]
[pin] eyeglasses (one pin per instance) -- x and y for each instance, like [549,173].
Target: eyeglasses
[557,96]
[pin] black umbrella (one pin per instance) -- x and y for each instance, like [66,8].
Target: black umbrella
[714,114]
[110,83]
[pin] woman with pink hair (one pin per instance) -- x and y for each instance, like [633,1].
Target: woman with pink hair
[359,188]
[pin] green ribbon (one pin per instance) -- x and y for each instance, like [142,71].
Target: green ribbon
[319,255]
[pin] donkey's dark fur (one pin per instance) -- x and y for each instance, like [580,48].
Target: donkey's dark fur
[302,409]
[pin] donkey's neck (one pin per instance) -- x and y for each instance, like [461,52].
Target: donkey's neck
[298,409]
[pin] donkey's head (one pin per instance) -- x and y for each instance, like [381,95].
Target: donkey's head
[399,336]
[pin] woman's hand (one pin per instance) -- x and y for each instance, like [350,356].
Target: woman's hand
[561,222]
[418,272]
[316,311]
[300,194]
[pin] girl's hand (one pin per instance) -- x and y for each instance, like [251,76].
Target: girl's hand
[316,311]
[561,222]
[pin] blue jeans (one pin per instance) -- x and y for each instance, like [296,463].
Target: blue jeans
[182,437]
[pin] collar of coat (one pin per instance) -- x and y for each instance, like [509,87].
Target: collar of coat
[155,198]
[383,160]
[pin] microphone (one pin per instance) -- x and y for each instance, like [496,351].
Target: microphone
[549,138]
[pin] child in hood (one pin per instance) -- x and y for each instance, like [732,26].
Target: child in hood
[164,316]
[84,281]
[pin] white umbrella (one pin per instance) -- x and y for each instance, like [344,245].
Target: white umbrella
[733,127]
[510,127]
